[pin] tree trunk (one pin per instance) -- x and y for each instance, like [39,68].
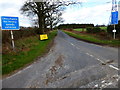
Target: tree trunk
[40,25]
[41,22]
[51,24]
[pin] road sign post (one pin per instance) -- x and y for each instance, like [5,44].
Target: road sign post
[119,10]
[10,23]
[12,37]
[114,31]
[114,35]
[114,15]
[114,21]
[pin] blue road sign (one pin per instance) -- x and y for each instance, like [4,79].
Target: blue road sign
[9,23]
[114,17]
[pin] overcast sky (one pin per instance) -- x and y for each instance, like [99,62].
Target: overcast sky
[90,11]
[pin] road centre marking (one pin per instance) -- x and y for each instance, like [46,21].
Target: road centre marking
[72,44]
[91,55]
[87,53]
[111,66]
[100,60]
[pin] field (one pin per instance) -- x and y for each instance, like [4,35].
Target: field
[103,28]
[80,29]
[84,29]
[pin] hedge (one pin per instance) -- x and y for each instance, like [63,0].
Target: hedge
[93,30]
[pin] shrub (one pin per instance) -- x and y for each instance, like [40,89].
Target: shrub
[6,37]
[117,27]
[111,27]
[89,29]
[96,30]
[26,32]
[93,30]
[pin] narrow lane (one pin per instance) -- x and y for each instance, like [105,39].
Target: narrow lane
[70,63]
[106,53]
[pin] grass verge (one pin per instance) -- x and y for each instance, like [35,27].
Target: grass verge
[33,48]
[93,39]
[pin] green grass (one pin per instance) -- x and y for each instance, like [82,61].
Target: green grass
[79,29]
[94,39]
[103,28]
[33,48]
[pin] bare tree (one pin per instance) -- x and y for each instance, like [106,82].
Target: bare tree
[47,12]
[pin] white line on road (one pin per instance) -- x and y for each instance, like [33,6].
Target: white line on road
[13,75]
[90,55]
[27,68]
[19,72]
[87,53]
[113,67]
[100,60]
[72,44]
[93,56]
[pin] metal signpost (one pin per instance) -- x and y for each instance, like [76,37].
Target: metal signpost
[114,31]
[114,15]
[114,20]
[10,23]
[119,10]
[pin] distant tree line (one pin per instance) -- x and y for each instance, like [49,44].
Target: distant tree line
[72,26]
[100,25]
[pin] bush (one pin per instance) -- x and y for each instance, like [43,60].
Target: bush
[6,37]
[117,27]
[93,30]
[24,32]
[74,26]
[111,27]
[89,29]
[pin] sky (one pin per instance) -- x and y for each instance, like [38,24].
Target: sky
[90,11]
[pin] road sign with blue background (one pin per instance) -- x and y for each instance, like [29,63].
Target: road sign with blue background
[9,23]
[114,17]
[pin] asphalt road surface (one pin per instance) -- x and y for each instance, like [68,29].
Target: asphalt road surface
[70,63]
